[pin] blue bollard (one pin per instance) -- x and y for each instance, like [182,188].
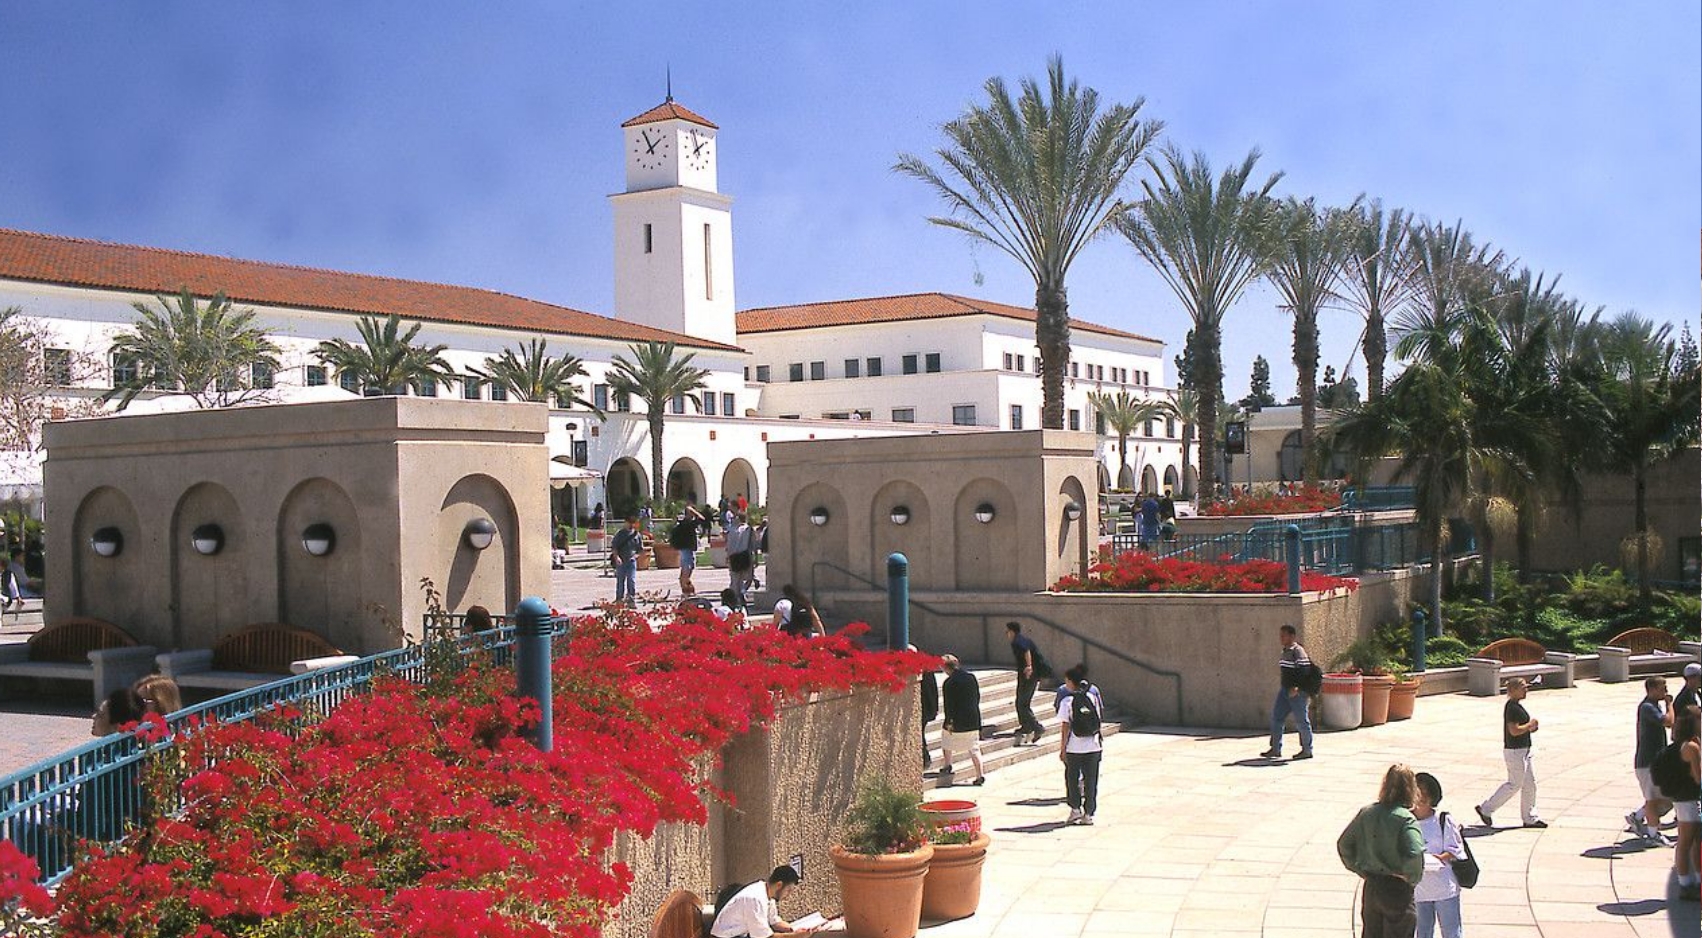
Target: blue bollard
[1419,633]
[897,602]
[533,626]
[1292,534]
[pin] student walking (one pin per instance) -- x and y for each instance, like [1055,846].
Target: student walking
[1080,716]
[1030,668]
[1384,846]
[741,548]
[962,706]
[1294,696]
[1517,725]
[626,544]
[684,538]
[1437,896]
[1654,717]
[1685,800]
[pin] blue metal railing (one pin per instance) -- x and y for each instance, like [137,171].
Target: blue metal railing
[92,792]
[1378,498]
[1334,545]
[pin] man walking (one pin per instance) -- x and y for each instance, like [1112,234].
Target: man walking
[962,729]
[626,544]
[1654,718]
[1294,696]
[1030,668]
[930,689]
[684,538]
[1690,695]
[741,548]
[1517,725]
[1080,714]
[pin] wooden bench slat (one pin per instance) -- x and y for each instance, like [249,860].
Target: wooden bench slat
[681,916]
[268,648]
[1645,640]
[69,641]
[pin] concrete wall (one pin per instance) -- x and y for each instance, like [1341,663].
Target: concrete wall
[1568,541]
[397,479]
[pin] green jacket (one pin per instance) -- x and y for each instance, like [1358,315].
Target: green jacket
[1383,840]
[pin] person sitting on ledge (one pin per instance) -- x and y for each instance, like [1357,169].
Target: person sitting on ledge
[753,911]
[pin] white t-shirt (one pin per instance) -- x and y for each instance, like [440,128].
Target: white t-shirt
[783,613]
[1074,743]
[1439,882]
[749,912]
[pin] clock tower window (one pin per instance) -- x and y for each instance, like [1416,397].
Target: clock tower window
[708,266]
[649,238]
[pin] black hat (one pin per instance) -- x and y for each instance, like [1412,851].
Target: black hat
[1432,788]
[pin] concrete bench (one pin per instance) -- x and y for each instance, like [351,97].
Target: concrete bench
[257,654]
[1517,657]
[80,649]
[1643,650]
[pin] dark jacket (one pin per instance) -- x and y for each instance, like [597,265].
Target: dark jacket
[930,696]
[962,695]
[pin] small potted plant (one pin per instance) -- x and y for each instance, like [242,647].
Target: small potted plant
[1367,657]
[667,555]
[1403,694]
[882,861]
[952,888]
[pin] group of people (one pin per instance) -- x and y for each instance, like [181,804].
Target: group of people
[745,543]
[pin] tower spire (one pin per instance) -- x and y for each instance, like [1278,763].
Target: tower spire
[670,78]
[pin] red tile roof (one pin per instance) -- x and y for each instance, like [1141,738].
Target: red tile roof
[43,258]
[895,309]
[668,110]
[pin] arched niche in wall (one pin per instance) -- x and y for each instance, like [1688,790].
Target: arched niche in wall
[209,592]
[821,553]
[986,553]
[1125,477]
[627,485]
[739,479]
[685,481]
[323,594]
[1149,480]
[1170,481]
[1191,483]
[489,577]
[1072,540]
[1104,478]
[916,538]
[110,588]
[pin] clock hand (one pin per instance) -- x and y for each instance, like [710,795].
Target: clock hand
[649,147]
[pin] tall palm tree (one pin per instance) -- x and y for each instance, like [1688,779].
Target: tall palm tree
[1124,412]
[1449,270]
[530,373]
[1379,281]
[1204,234]
[654,374]
[387,360]
[1307,255]
[1037,177]
[1186,405]
[206,351]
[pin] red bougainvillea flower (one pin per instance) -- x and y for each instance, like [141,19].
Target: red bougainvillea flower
[1140,572]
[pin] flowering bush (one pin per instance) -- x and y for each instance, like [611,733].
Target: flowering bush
[418,810]
[1305,499]
[1138,572]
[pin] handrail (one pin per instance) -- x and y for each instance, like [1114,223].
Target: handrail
[1065,630]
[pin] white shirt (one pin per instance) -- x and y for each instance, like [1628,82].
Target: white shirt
[750,912]
[1439,882]
[1074,743]
[783,613]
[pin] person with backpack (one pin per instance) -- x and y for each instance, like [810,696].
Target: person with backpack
[1654,718]
[1678,774]
[1030,668]
[684,538]
[1300,681]
[752,910]
[1080,716]
[1437,895]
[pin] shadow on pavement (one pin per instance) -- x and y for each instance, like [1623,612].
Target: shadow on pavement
[1257,762]
[1640,907]
[1621,849]
[1037,802]
[1043,828]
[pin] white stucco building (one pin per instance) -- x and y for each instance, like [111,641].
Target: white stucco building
[923,363]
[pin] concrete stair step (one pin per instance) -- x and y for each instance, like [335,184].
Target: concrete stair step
[998,727]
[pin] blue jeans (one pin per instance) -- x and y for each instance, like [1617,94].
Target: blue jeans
[1447,911]
[1300,707]
[626,579]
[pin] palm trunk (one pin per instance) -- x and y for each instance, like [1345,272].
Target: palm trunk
[1306,364]
[1640,478]
[1439,540]
[1187,449]
[1122,456]
[1376,351]
[657,483]
[1209,385]
[1486,557]
[1052,336]
[1526,539]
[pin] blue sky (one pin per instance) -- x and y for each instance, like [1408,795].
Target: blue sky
[475,143]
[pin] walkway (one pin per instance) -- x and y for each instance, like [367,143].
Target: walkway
[1198,837]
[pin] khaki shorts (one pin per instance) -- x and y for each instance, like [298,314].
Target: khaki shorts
[962,742]
[1689,812]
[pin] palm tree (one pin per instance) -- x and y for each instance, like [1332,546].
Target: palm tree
[531,374]
[1307,254]
[1186,405]
[1449,270]
[1205,236]
[1037,177]
[387,360]
[1124,412]
[209,352]
[1379,280]
[1652,407]
[654,374]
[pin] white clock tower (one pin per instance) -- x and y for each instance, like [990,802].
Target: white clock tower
[673,231]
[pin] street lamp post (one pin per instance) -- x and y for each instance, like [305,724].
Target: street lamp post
[572,489]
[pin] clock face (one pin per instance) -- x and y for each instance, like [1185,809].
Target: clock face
[651,148]
[698,148]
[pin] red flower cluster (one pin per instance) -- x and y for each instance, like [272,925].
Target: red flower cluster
[418,810]
[1306,499]
[1138,572]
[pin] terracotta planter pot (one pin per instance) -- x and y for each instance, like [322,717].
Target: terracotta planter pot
[1377,688]
[667,558]
[952,888]
[1402,696]
[644,560]
[882,894]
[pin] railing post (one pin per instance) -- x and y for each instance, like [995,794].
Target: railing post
[897,601]
[1292,532]
[532,627]
[1419,633]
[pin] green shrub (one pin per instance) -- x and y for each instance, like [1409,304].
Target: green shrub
[1559,630]
[1599,593]
[883,819]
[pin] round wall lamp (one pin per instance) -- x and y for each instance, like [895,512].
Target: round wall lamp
[1072,511]
[318,539]
[984,513]
[818,516]
[901,514]
[479,533]
[207,539]
[107,542]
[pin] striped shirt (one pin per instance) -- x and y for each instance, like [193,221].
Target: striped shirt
[1294,664]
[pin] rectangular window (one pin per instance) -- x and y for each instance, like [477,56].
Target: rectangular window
[1010,361]
[1170,428]
[315,377]
[874,367]
[818,371]
[623,401]
[649,238]
[1075,420]
[909,364]
[762,373]
[853,368]
[1148,428]
[677,405]
[348,382]
[600,396]
[1020,364]
[1037,364]
[931,363]
[58,363]
[1016,416]
[499,392]
[727,404]
[963,415]
[426,387]
[123,370]
[904,415]
[1075,369]
[1099,423]
[709,403]
[708,266]
[795,371]
[472,388]
[261,375]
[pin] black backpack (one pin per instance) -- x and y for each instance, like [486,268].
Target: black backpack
[684,535]
[1312,679]
[1084,716]
[723,896]
[1672,775]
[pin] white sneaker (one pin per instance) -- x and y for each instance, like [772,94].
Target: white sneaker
[1086,820]
[1076,814]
